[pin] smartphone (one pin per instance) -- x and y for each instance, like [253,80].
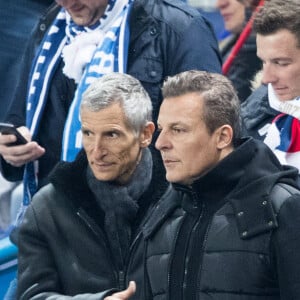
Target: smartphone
[7,128]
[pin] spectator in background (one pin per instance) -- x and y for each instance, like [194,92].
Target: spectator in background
[79,234]
[233,14]
[272,112]
[164,39]
[246,63]
[250,3]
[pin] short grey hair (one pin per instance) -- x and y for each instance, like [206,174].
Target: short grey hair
[125,90]
[221,103]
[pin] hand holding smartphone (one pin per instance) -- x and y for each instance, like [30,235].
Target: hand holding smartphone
[7,128]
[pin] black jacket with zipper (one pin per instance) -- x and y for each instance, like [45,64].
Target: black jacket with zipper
[232,235]
[63,246]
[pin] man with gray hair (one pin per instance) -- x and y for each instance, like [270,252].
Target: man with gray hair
[80,233]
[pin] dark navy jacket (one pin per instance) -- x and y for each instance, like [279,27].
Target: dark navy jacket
[17,19]
[257,114]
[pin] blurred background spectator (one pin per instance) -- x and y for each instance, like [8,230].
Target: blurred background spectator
[233,14]
[241,67]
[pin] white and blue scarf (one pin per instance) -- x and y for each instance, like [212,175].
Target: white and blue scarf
[106,49]
[283,135]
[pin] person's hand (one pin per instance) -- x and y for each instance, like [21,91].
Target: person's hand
[124,295]
[19,155]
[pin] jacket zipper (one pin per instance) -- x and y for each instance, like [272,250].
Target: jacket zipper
[121,280]
[185,215]
[195,288]
[198,290]
[99,234]
[172,251]
[123,273]
[190,253]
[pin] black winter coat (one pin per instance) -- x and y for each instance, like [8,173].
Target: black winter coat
[63,247]
[233,235]
[166,37]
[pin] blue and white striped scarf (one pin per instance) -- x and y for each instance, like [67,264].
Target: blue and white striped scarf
[109,56]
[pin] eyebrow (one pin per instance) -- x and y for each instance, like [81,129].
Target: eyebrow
[288,59]
[281,58]
[174,124]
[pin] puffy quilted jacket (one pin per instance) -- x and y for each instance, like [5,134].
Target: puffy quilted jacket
[232,235]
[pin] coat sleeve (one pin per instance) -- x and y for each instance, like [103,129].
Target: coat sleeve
[286,245]
[16,113]
[41,282]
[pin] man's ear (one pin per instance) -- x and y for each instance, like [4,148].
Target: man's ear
[224,137]
[146,135]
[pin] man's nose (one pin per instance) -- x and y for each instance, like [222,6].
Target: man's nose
[221,4]
[268,74]
[161,141]
[99,148]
